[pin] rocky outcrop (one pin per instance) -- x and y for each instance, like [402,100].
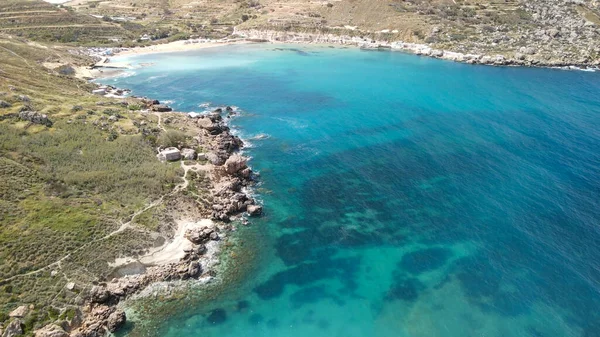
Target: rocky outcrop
[254,210]
[13,329]
[234,164]
[188,154]
[4,104]
[35,118]
[161,108]
[51,330]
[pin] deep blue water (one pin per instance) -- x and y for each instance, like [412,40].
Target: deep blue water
[404,196]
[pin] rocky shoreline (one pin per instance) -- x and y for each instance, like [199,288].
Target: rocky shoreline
[524,57]
[229,175]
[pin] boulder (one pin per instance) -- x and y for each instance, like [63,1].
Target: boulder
[210,126]
[527,50]
[116,320]
[13,329]
[35,118]
[51,330]
[194,269]
[215,159]
[188,154]
[161,108]
[19,312]
[254,210]
[4,104]
[198,236]
[99,294]
[169,154]
[235,163]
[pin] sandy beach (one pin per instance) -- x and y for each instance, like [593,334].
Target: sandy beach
[182,45]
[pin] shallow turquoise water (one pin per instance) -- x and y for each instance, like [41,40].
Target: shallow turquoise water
[403,196]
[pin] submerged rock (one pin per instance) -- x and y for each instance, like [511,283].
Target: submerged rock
[217,316]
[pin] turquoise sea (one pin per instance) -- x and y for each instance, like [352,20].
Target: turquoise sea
[404,196]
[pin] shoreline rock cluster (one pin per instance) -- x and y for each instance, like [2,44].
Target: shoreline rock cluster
[521,58]
[101,312]
[231,174]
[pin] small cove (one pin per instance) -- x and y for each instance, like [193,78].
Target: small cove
[404,196]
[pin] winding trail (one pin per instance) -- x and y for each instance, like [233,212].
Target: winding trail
[122,227]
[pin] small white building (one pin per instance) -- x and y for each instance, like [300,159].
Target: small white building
[169,154]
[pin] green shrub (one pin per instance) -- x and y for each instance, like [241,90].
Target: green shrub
[172,138]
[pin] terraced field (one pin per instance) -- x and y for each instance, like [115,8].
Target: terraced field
[38,20]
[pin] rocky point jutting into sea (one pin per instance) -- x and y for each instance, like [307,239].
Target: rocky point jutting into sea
[193,252]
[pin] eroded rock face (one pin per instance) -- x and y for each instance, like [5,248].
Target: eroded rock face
[35,118]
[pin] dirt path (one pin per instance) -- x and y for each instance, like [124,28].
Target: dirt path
[122,227]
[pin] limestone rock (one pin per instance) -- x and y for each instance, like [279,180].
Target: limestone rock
[19,312]
[161,108]
[188,154]
[51,330]
[235,164]
[99,294]
[116,320]
[13,329]
[35,118]
[254,210]
[194,269]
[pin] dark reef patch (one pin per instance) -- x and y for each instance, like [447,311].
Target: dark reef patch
[256,319]
[306,273]
[425,260]
[406,289]
[217,316]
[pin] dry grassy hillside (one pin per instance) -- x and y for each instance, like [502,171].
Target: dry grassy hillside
[560,30]
[67,180]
